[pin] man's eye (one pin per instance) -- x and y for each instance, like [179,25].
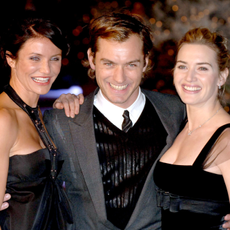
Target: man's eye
[108,64]
[132,65]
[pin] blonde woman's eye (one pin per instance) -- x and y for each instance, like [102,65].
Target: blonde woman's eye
[181,67]
[203,68]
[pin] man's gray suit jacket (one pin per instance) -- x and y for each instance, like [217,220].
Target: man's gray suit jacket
[75,140]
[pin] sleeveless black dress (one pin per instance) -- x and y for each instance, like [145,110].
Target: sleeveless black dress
[38,200]
[191,198]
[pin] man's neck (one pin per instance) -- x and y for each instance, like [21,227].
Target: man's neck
[114,113]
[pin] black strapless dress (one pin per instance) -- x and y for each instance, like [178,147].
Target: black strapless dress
[191,198]
[38,199]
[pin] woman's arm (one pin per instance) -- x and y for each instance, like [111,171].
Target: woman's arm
[5,203]
[223,163]
[8,134]
[225,169]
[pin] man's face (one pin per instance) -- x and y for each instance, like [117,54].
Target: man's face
[119,67]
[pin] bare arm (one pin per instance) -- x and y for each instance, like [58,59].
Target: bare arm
[225,170]
[70,103]
[8,133]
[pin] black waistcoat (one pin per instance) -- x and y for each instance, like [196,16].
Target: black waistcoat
[126,159]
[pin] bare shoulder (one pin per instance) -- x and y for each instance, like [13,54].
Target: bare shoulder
[8,127]
[7,117]
[226,128]
[221,148]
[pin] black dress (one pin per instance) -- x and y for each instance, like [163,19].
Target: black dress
[38,200]
[191,198]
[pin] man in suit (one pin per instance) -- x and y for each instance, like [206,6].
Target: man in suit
[108,169]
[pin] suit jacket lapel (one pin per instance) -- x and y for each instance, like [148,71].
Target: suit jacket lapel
[165,117]
[87,155]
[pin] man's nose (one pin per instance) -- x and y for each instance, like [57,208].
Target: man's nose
[119,74]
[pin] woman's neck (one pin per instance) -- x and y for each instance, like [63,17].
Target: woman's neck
[200,116]
[30,98]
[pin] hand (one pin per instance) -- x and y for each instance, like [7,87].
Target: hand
[5,204]
[227,223]
[70,103]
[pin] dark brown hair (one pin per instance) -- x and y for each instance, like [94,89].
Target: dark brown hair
[31,27]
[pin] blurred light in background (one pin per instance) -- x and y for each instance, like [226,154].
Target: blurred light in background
[46,101]
[55,93]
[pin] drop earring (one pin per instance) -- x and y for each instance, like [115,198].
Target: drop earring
[219,86]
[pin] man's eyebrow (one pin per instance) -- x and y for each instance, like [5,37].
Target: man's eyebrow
[106,60]
[137,60]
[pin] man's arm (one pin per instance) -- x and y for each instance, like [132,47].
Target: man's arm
[70,103]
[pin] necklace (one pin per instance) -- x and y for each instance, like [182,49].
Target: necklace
[191,131]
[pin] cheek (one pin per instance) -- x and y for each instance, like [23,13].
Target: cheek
[176,82]
[209,81]
[56,68]
[177,77]
[24,68]
[102,73]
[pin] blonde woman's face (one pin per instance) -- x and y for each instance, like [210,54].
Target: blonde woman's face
[196,74]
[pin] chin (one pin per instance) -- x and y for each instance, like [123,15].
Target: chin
[42,92]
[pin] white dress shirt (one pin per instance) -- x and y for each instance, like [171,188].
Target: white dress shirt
[114,113]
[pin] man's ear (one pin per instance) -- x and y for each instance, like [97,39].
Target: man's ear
[223,77]
[146,62]
[91,58]
[10,60]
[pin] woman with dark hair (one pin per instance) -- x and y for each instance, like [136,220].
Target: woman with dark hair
[193,175]
[33,48]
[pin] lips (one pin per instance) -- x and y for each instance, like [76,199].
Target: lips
[41,79]
[118,87]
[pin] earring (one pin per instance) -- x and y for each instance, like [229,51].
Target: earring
[219,86]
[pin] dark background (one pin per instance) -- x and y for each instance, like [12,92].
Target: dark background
[169,19]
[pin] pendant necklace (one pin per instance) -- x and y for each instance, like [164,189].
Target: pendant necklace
[191,131]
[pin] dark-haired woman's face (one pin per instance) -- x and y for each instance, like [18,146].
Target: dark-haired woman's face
[37,66]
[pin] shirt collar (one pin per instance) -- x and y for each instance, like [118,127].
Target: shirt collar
[114,113]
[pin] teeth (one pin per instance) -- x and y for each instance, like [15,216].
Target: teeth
[40,79]
[192,88]
[118,87]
